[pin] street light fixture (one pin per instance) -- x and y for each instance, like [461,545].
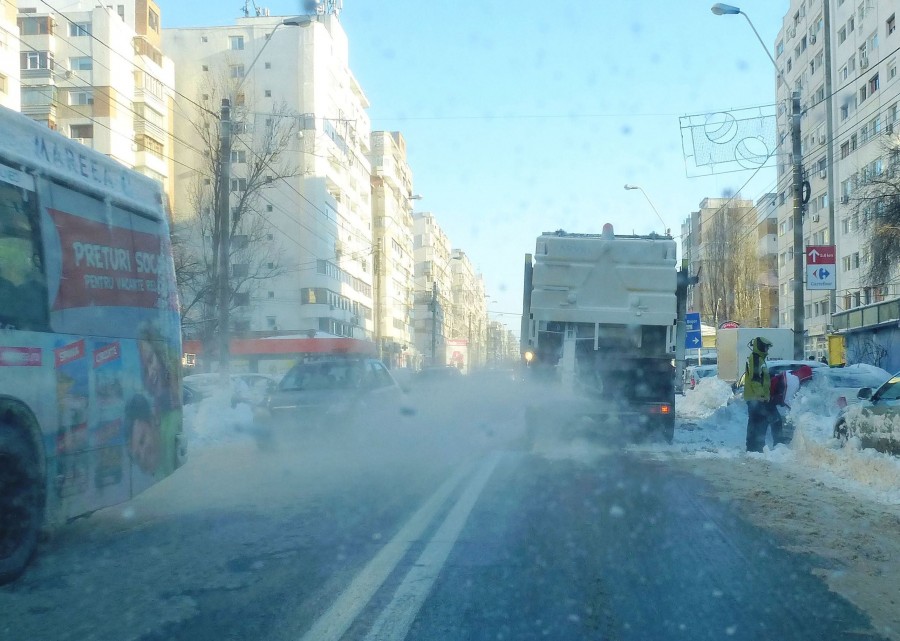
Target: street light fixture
[224,195]
[721,9]
[655,210]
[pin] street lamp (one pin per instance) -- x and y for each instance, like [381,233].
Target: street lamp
[224,212]
[721,9]
[655,210]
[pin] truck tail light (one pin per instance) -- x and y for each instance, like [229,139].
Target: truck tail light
[665,409]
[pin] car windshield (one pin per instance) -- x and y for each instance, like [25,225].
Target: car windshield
[358,320]
[323,376]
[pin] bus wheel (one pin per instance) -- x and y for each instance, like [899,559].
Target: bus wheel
[20,503]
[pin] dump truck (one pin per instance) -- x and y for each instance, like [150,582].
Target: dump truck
[599,334]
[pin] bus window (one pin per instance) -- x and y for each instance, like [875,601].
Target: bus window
[23,287]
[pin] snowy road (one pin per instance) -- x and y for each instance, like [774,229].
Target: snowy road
[450,529]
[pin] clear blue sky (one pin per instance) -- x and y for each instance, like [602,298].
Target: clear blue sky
[522,117]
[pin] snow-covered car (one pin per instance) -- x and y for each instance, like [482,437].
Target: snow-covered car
[253,389]
[842,384]
[332,393]
[247,387]
[693,374]
[875,419]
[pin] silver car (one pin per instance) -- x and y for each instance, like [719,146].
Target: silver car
[335,393]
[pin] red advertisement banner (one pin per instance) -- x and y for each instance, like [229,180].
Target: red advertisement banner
[21,356]
[110,266]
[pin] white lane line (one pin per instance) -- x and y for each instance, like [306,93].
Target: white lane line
[394,622]
[332,625]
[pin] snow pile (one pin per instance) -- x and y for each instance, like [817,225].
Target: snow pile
[850,467]
[710,424]
[710,394]
[213,421]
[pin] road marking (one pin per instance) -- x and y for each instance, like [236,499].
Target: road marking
[332,625]
[395,620]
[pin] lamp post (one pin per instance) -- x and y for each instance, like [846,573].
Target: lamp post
[652,206]
[223,213]
[721,9]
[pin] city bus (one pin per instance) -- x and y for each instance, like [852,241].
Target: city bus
[90,341]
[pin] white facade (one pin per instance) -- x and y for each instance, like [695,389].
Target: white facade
[393,231]
[9,57]
[114,97]
[469,312]
[433,284]
[319,215]
[864,100]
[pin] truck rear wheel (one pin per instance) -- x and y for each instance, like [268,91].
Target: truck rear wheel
[21,503]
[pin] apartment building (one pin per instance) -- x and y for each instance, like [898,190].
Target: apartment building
[468,318]
[9,56]
[392,198]
[96,73]
[861,97]
[295,102]
[719,242]
[433,280]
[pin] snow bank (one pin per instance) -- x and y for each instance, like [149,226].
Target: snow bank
[213,421]
[710,394]
[712,424]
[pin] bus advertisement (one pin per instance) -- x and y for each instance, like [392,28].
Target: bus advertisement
[90,341]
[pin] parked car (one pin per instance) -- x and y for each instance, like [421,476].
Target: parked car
[693,374]
[865,418]
[336,392]
[842,384]
[253,389]
[246,387]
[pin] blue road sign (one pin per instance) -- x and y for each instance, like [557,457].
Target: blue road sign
[693,340]
[692,321]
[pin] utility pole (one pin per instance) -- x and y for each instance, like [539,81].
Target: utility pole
[224,219]
[434,324]
[379,287]
[829,134]
[799,311]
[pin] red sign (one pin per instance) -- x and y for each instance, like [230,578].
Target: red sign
[820,255]
[106,354]
[20,356]
[111,266]
[730,325]
[69,353]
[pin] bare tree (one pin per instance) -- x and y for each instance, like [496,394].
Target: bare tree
[876,210]
[730,267]
[258,157]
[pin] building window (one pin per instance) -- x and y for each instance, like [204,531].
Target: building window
[268,65]
[862,94]
[891,24]
[268,93]
[83,63]
[36,60]
[845,263]
[845,150]
[873,84]
[81,98]
[269,208]
[153,20]
[3,84]
[271,295]
[204,39]
[238,184]
[270,322]
[236,43]
[237,71]
[842,34]
[82,132]
[148,144]
[79,29]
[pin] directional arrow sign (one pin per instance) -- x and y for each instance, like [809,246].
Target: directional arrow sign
[693,340]
[820,255]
